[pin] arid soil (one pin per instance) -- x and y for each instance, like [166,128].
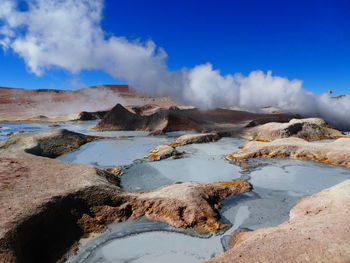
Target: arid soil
[49,205]
[318,231]
[62,105]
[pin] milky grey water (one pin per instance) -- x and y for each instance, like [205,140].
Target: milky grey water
[7,128]
[277,187]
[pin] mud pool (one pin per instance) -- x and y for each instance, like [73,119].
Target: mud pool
[278,185]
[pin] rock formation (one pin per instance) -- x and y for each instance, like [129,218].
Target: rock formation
[63,105]
[119,118]
[188,205]
[196,138]
[48,205]
[336,153]
[162,152]
[90,115]
[318,231]
[52,143]
[308,129]
[174,119]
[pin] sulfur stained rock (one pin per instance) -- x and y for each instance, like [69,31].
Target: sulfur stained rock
[310,129]
[162,152]
[336,153]
[188,205]
[318,231]
[48,205]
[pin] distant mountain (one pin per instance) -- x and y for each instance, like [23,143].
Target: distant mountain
[15,95]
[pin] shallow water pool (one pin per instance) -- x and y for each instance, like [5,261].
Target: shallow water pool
[113,152]
[277,187]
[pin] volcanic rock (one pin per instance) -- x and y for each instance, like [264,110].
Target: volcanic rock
[119,118]
[94,115]
[336,153]
[176,119]
[308,129]
[196,138]
[48,205]
[162,152]
[188,205]
[147,109]
[42,201]
[318,231]
[52,143]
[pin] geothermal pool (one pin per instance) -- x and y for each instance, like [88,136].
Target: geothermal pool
[278,185]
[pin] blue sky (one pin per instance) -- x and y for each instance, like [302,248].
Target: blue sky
[307,40]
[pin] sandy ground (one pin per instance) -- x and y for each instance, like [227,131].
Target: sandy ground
[55,105]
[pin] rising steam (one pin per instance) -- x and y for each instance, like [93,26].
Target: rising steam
[67,34]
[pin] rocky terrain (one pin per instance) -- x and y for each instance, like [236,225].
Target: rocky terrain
[163,152]
[318,231]
[49,105]
[49,204]
[336,153]
[196,138]
[51,143]
[223,121]
[310,129]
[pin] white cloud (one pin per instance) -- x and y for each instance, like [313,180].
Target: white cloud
[67,34]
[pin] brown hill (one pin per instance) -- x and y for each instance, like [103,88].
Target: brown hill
[14,95]
[176,119]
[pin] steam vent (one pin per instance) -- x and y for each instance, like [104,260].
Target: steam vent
[173,131]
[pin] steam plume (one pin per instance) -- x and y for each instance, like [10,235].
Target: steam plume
[67,34]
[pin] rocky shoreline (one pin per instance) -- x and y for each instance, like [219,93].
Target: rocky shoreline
[318,231]
[67,201]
